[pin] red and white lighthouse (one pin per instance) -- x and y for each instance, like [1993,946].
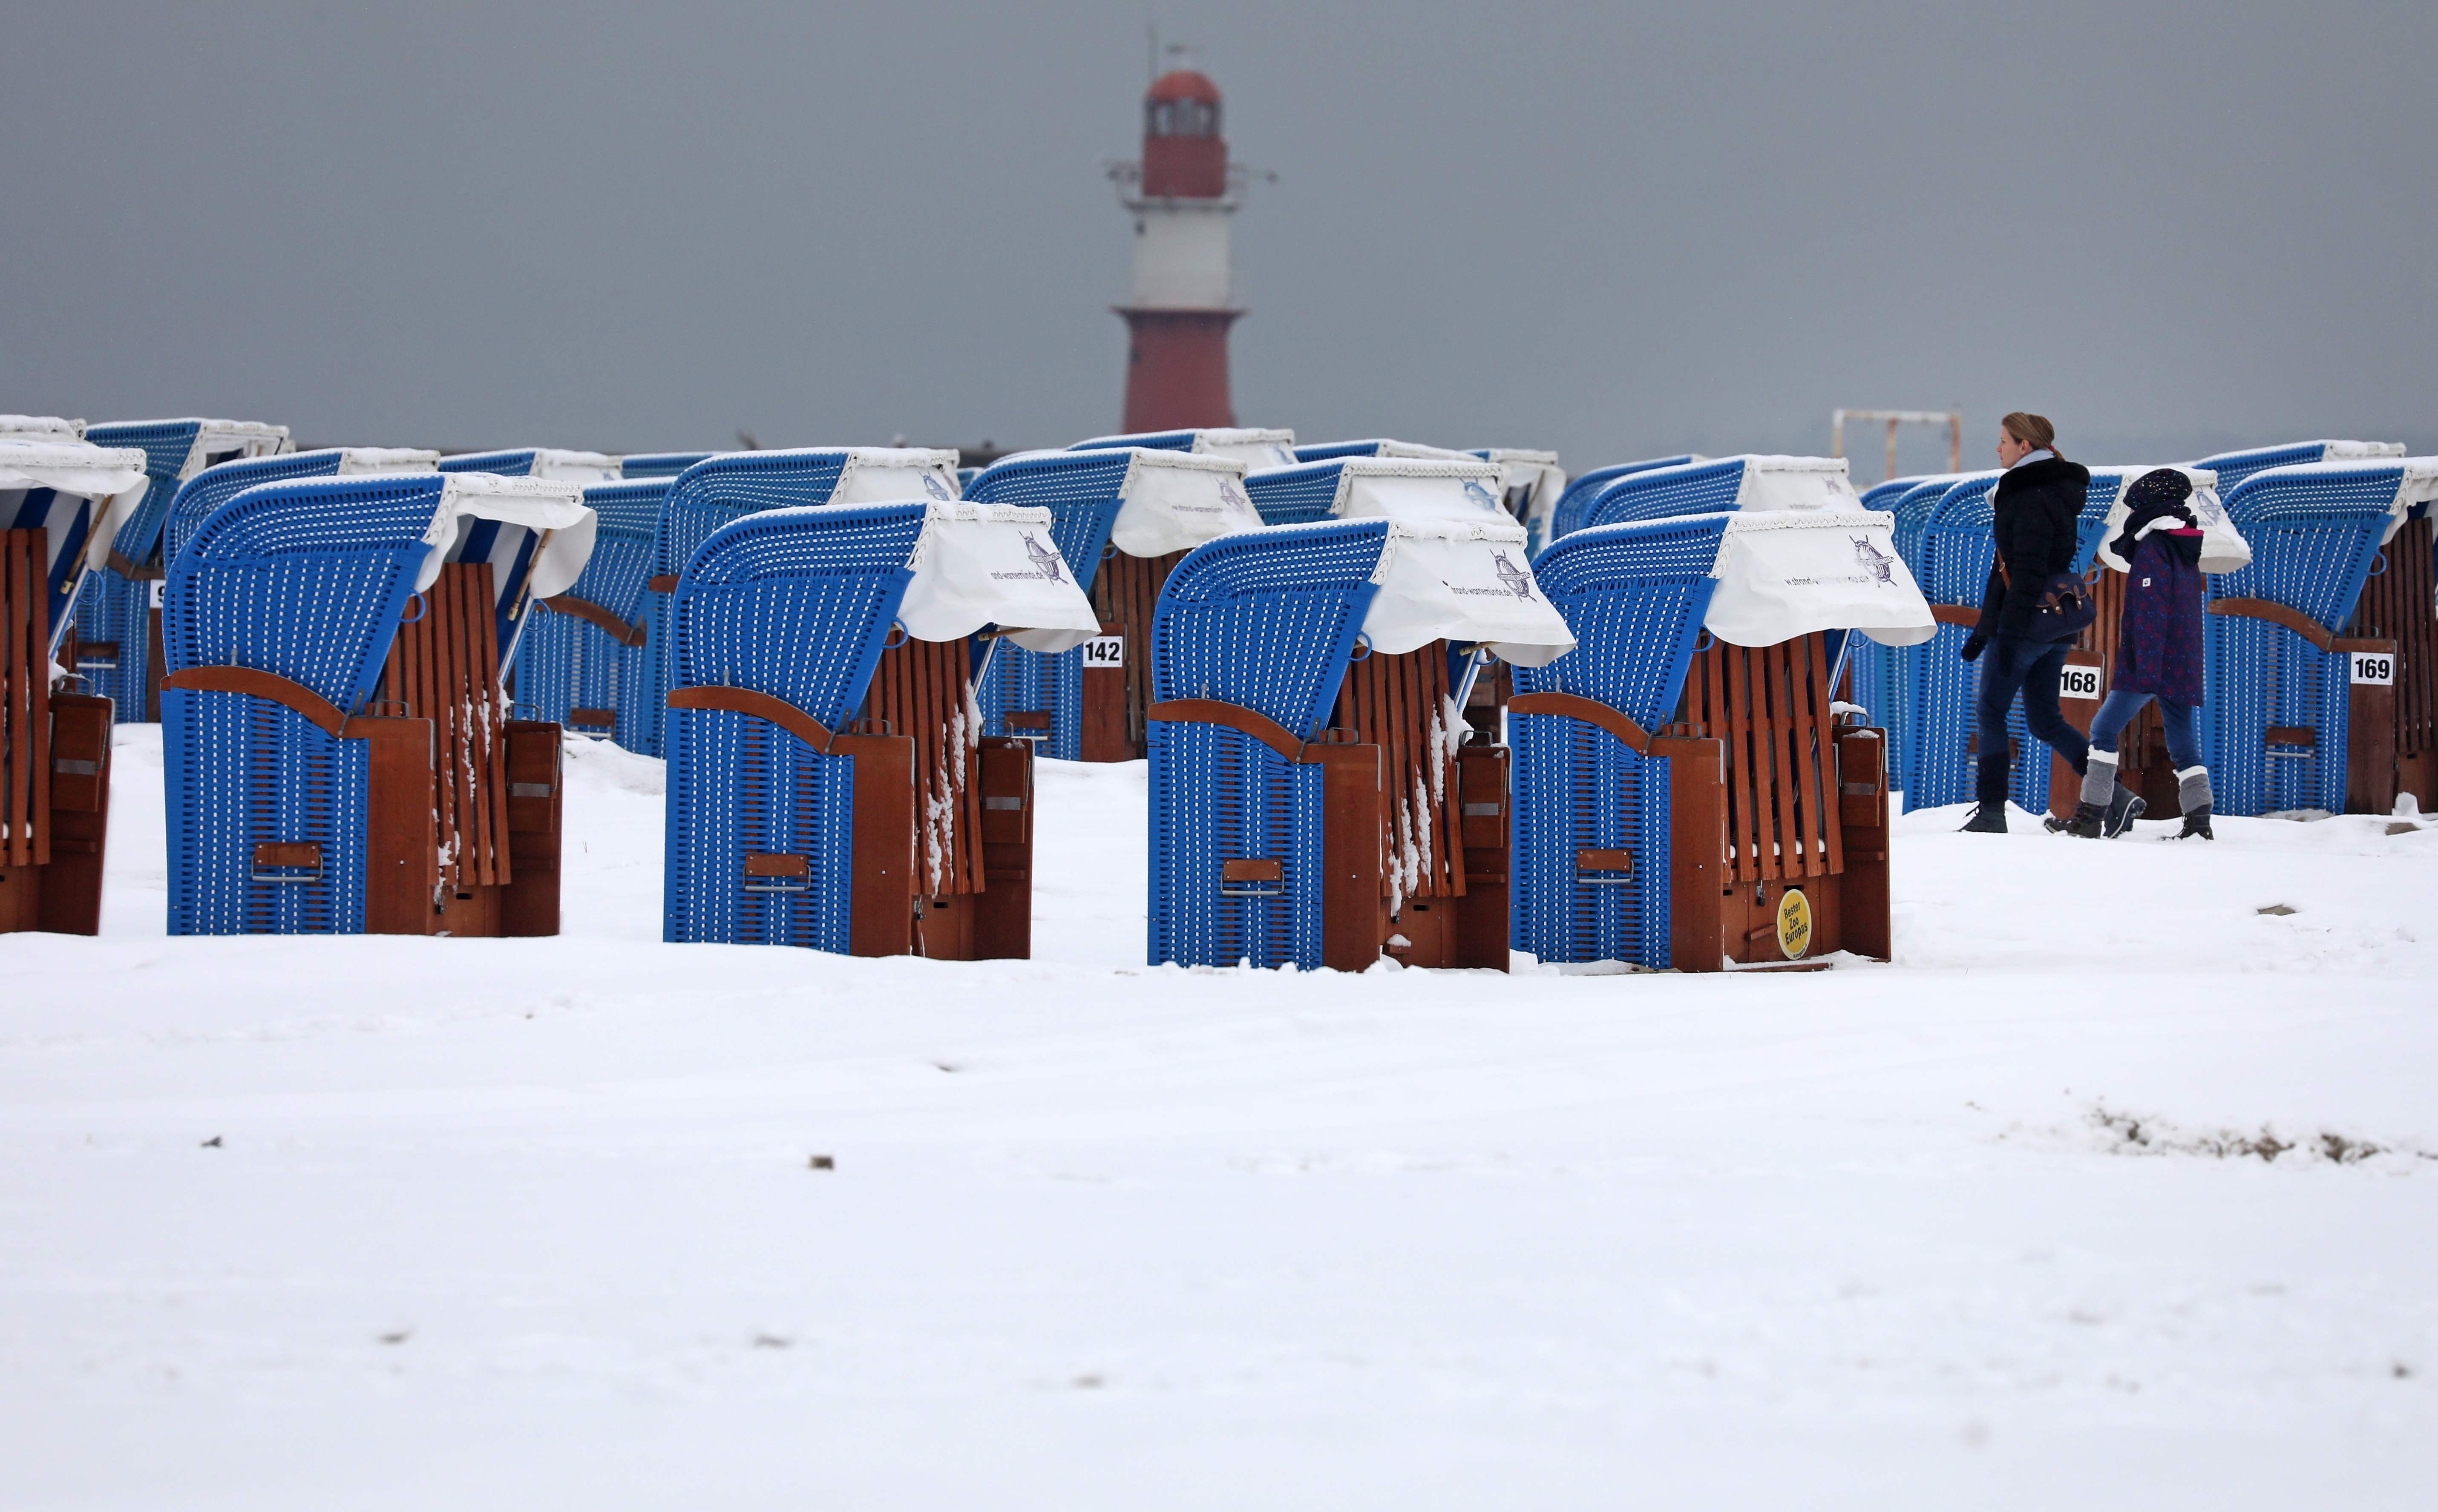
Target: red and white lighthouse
[1181,196]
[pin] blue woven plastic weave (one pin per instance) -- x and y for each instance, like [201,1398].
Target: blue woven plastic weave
[308,580]
[1267,620]
[114,608]
[2234,466]
[1662,493]
[566,663]
[796,603]
[1633,595]
[1567,517]
[660,464]
[700,500]
[2315,535]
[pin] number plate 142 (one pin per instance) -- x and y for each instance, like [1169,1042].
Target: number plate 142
[1106,651]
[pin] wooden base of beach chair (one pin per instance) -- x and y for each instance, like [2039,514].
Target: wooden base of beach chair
[1770,797]
[62,894]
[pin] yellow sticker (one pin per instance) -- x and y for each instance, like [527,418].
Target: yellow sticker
[1793,923]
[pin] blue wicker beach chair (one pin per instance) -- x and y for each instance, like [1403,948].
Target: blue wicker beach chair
[1567,515]
[1741,483]
[334,728]
[719,489]
[580,654]
[1314,801]
[538,462]
[1123,517]
[636,465]
[2232,467]
[119,616]
[1256,449]
[2320,683]
[1687,793]
[828,786]
[201,496]
[62,503]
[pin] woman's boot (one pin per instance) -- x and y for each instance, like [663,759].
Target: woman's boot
[2194,797]
[2086,821]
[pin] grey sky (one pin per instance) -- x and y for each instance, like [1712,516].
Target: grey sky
[1617,231]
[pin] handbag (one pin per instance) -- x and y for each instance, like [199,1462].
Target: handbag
[2065,607]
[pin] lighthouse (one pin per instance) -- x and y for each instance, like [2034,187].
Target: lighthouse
[1182,195]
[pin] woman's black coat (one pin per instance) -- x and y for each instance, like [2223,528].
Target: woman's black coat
[2037,505]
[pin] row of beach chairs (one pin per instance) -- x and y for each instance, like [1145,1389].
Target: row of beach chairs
[850,657]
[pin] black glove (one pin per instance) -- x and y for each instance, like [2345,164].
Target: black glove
[1974,646]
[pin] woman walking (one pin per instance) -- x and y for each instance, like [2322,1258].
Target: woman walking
[2036,507]
[2157,656]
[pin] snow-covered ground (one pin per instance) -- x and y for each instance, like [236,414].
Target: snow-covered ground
[386,1224]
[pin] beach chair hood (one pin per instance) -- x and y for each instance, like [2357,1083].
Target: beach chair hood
[1413,489]
[1536,474]
[976,566]
[1175,501]
[113,477]
[538,462]
[1782,574]
[879,475]
[1466,583]
[551,509]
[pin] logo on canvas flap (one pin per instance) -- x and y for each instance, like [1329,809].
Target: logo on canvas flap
[1046,563]
[932,485]
[1512,580]
[1882,565]
[1474,491]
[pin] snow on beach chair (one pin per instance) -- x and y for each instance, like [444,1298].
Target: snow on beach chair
[62,503]
[1693,800]
[1314,798]
[1567,515]
[577,655]
[659,464]
[1445,485]
[118,617]
[538,462]
[1122,517]
[829,783]
[2232,467]
[719,488]
[1257,449]
[334,731]
[2320,683]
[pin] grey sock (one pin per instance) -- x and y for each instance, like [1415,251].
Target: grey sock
[2099,779]
[2192,788]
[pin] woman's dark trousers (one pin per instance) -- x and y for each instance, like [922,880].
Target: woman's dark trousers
[2035,667]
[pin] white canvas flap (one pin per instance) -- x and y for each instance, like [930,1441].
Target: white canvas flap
[1537,472]
[553,506]
[1175,501]
[2352,450]
[357,462]
[882,475]
[1466,583]
[2223,547]
[575,467]
[231,441]
[1414,489]
[1772,483]
[978,565]
[1788,572]
[113,477]
[1256,449]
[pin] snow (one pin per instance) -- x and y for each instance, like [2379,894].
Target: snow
[387,1224]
